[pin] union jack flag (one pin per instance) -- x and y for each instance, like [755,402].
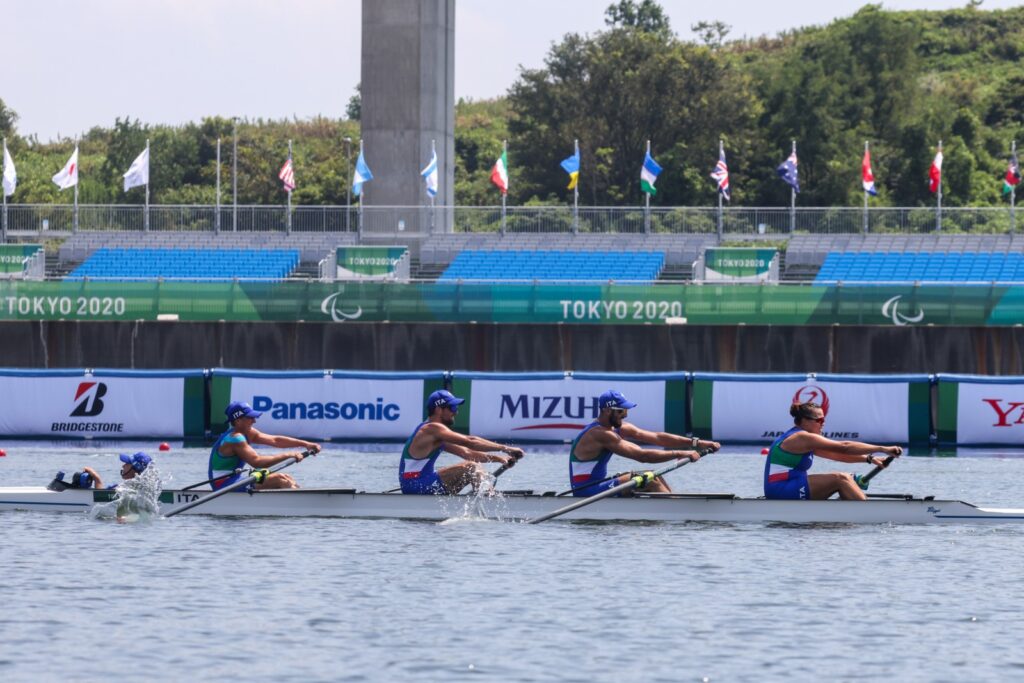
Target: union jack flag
[721,175]
[287,176]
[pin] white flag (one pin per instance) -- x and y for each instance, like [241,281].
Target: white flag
[430,175]
[68,176]
[138,174]
[10,175]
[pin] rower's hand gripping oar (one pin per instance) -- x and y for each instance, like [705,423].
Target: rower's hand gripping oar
[257,477]
[501,470]
[864,480]
[635,481]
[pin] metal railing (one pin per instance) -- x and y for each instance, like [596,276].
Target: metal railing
[40,220]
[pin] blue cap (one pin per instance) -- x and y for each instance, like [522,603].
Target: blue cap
[442,398]
[614,399]
[139,462]
[237,409]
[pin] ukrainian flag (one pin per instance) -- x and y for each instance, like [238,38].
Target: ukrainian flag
[572,167]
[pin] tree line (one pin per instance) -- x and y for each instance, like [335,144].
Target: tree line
[901,80]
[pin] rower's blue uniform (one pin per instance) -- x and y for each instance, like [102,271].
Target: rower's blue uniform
[583,471]
[222,467]
[785,473]
[417,475]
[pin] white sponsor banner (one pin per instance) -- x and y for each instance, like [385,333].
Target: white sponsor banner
[990,413]
[99,407]
[858,411]
[556,409]
[328,408]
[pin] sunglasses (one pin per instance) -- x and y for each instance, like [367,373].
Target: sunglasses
[819,420]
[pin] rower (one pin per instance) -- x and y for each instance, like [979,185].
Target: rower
[234,449]
[131,467]
[611,434]
[792,454]
[416,472]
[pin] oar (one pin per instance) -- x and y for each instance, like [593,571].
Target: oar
[636,480]
[863,481]
[256,477]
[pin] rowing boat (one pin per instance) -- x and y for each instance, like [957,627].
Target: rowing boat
[520,505]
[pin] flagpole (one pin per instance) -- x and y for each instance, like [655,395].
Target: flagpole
[74,216]
[145,218]
[433,199]
[216,218]
[938,210]
[865,195]
[360,229]
[647,201]
[1013,191]
[721,152]
[3,191]
[576,194]
[288,214]
[234,175]
[792,202]
[504,154]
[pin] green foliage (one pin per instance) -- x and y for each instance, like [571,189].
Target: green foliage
[901,80]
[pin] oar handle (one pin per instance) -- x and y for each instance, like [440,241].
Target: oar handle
[506,467]
[864,480]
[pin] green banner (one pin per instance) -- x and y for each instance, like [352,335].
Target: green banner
[762,304]
[736,263]
[13,256]
[370,263]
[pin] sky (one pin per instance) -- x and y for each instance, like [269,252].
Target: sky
[70,65]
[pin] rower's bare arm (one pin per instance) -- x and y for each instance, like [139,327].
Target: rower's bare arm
[256,436]
[666,439]
[250,457]
[475,443]
[618,445]
[842,451]
[97,482]
[473,455]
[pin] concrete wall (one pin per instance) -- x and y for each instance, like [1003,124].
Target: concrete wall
[512,348]
[408,99]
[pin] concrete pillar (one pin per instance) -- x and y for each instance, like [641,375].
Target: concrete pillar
[408,99]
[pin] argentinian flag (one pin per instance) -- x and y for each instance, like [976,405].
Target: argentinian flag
[430,175]
[361,175]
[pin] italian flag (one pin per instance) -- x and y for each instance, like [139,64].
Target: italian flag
[499,174]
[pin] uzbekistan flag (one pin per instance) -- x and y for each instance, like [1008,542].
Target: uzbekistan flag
[649,174]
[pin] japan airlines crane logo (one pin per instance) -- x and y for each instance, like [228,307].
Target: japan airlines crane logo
[811,393]
[91,394]
[329,306]
[890,309]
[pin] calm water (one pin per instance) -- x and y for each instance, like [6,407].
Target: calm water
[346,600]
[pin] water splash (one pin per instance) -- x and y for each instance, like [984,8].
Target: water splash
[484,505]
[136,499]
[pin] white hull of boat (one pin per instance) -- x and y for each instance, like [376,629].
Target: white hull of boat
[516,506]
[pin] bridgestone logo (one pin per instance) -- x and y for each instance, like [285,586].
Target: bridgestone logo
[87,427]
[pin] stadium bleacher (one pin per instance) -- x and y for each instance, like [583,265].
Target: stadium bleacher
[187,264]
[513,265]
[884,266]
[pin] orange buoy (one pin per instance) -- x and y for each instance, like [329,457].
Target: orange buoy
[2,452]
[165,446]
[764,451]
